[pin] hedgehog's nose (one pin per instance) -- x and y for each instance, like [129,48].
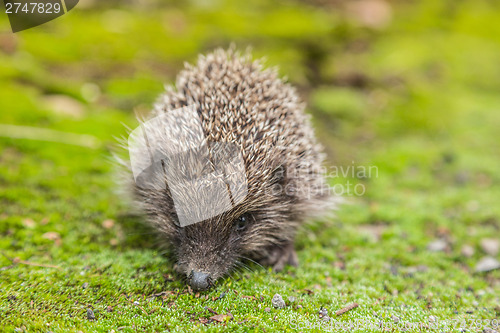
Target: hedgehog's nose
[199,280]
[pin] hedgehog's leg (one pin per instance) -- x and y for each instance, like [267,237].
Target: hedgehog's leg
[281,256]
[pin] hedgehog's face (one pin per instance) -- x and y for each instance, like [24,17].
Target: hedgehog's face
[208,250]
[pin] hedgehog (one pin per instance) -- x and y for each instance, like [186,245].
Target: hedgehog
[231,151]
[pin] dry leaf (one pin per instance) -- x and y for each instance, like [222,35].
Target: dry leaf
[29,223]
[108,224]
[253,298]
[222,317]
[51,235]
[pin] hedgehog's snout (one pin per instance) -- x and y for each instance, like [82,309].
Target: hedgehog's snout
[199,280]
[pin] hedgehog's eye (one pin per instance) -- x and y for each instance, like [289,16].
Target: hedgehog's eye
[241,222]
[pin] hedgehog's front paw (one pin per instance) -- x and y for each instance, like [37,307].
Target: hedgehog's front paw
[281,256]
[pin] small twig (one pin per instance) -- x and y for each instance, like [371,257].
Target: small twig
[212,311]
[16,261]
[346,309]
[163,294]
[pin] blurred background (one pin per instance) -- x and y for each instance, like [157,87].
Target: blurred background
[368,69]
[411,87]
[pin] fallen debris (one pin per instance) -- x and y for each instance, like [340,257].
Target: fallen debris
[278,302]
[29,223]
[490,245]
[253,298]
[163,294]
[90,314]
[467,251]
[438,245]
[323,314]
[222,317]
[17,260]
[346,309]
[487,264]
[108,224]
[219,297]
[212,311]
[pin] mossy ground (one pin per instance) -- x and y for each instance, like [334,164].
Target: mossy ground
[417,99]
